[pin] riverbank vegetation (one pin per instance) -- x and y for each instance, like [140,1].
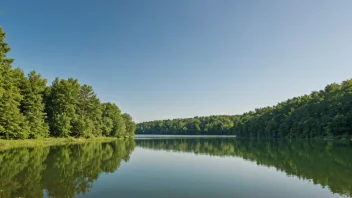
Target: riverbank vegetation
[321,114]
[30,109]
[50,141]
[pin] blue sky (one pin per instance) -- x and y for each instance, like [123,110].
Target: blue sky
[161,59]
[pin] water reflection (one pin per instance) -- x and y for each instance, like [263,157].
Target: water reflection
[325,163]
[59,171]
[70,170]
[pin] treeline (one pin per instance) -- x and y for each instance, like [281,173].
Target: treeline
[326,163]
[219,125]
[324,113]
[59,171]
[31,109]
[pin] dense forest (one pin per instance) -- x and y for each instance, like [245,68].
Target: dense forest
[31,109]
[324,113]
[59,171]
[326,163]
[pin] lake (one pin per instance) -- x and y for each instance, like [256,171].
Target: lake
[176,167]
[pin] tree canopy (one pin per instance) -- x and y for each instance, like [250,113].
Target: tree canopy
[324,113]
[31,109]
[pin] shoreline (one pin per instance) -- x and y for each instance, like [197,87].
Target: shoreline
[51,141]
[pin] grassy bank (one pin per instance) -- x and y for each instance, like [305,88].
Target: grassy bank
[6,144]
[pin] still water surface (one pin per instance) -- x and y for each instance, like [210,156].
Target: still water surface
[179,167]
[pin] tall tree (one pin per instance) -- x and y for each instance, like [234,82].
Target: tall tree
[89,114]
[130,125]
[114,124]
[32,105]
[61,104]
[12,123]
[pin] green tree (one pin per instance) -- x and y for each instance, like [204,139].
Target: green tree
[324,113]
[32,105]
[130,125]
[61,104]
[113,123]
[12,122]
[30,109]
[89,114]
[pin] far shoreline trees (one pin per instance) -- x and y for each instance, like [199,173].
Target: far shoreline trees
[30,109]
[322,114]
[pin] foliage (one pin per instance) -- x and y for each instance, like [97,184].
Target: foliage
[212,125]
[12,122]
[32,105]
[130,125]
[114,123]
[327,113]
[31,109]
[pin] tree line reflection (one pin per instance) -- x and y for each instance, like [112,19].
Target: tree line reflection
[59,171]
[64,171]
[325,163]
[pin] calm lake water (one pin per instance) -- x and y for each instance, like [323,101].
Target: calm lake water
[180,167]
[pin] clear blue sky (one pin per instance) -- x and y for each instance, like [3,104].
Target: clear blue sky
[160,59]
